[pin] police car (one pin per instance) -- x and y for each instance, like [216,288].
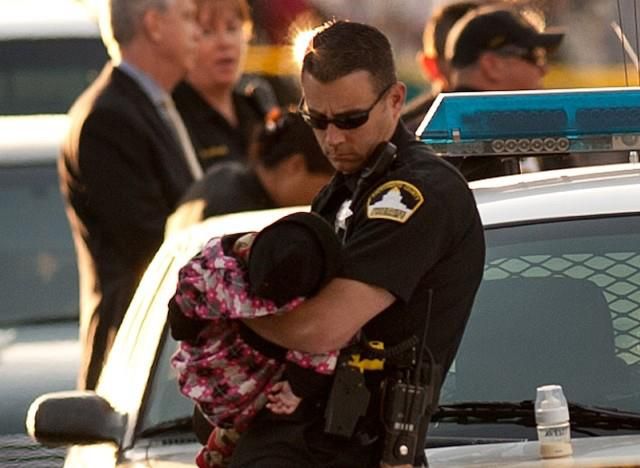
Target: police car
[559,304]
[560,298]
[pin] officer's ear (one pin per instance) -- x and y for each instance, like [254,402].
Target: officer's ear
[397,95]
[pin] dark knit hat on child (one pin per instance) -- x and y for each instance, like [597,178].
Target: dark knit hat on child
[293,257]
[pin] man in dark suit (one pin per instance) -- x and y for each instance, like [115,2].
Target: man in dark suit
[124,165]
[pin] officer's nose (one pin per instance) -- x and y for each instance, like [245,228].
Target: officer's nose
[333,135]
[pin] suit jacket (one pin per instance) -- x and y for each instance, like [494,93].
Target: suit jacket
[122,173]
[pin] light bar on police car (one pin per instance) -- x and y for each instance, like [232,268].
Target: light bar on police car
[526,123]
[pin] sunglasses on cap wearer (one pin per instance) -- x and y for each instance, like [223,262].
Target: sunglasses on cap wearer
[536,56]
[345,120]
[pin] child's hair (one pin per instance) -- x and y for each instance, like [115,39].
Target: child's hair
[286,134]
[293,257]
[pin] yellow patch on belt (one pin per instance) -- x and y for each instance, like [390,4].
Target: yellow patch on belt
[214,152]
[395,200]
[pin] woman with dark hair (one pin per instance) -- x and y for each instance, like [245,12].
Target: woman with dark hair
[286,168]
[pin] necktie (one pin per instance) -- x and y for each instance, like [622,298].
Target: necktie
[183,138]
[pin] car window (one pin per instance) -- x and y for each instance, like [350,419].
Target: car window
[165,402]
[44,76]
[559,304]
[38,274]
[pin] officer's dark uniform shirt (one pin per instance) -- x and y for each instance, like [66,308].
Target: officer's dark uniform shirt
[227,187]
[414,228]
[213,137]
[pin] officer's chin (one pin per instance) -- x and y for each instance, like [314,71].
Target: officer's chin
[346,167]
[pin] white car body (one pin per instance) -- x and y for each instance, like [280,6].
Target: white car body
[554,195]
[565,193]
[601,452]
[37,19]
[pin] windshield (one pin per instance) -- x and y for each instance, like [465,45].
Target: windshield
[559,304]
[38,277]
[67,66]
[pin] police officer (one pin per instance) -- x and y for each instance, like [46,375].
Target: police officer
[413,247]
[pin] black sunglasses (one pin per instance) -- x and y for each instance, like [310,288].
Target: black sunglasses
[536,56]
[344,121]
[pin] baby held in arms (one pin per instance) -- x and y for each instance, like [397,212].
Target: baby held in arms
[230,372]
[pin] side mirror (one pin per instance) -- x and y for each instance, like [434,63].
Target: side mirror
[76,417]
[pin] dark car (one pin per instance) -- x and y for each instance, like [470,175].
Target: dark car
[49,52]
[39,348]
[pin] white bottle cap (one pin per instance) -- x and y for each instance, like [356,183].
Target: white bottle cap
[551,405]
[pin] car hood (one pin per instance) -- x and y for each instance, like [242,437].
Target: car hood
[587,452]
[173,457]
[34,359]
[594,452]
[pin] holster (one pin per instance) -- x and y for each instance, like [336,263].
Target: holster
[348,400]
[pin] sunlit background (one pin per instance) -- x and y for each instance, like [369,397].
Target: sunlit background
[591,54]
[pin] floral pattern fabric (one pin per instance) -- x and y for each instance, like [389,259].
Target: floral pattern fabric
[223,374]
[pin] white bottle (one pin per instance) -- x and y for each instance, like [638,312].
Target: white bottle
[552,419]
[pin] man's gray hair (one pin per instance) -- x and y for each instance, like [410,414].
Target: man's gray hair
[126,15]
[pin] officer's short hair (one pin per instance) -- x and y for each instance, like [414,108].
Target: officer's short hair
[339,48]
[282,136]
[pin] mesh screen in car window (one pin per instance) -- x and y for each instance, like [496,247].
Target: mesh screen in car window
[617,273]
[571,285]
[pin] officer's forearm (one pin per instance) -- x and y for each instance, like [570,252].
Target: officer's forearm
[326,321]
[281,331]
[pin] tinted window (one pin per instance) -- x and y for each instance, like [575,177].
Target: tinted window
[45,76]
[559,303]
[165,403]
[38,276]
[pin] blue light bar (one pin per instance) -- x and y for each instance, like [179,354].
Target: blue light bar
[526,123]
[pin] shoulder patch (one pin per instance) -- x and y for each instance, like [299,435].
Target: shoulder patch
[395,200]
